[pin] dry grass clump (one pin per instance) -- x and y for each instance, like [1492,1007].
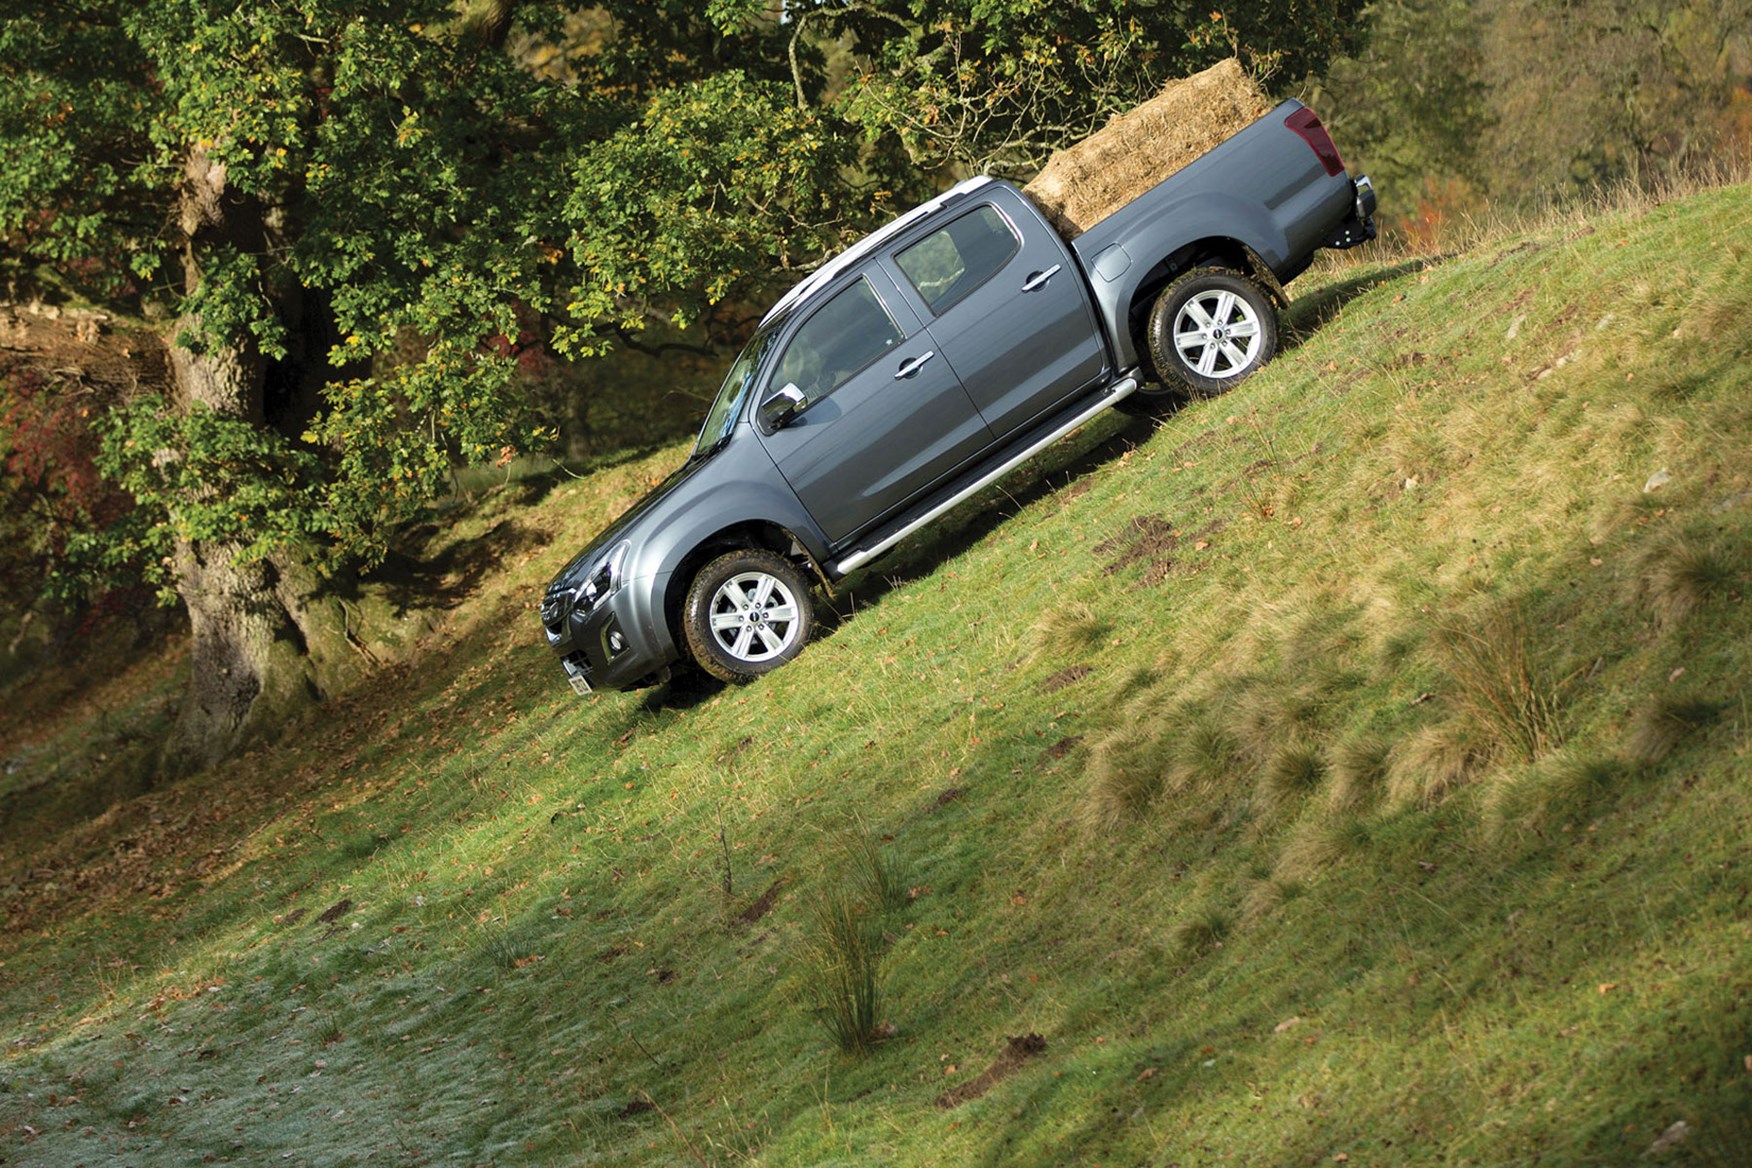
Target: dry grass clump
[1536,798]
[1123,775]
[1677,575]
[1318,843]
[1064,635]
[1429,765]
[1200,930]
[1499,684]
[1265,898]
[1666,720]
[1203,757]
[1266,714]
[1292,772]
[1358,770]
[1083,184]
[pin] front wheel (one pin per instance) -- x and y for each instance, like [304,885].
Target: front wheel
[1210,329]
[747,613]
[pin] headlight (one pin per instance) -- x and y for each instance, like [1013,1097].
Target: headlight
[603,580]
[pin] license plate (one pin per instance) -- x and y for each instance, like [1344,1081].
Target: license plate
[580,684]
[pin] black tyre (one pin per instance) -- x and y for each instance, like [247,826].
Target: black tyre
[747,613]
[1209,330]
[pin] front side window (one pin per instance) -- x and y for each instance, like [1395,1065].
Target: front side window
[848,333]
[946,265]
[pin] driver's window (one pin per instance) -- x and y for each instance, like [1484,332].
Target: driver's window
[846,334]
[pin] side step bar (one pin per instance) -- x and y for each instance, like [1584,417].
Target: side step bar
[1121,389]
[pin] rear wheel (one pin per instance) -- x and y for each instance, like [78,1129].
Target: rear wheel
[1209,330]
[747,613]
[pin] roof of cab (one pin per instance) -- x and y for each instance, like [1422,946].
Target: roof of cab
[825,274]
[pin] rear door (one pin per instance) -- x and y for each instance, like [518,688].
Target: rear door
[883,415]
[1004,301]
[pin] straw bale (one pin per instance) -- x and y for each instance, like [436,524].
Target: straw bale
[1083,184]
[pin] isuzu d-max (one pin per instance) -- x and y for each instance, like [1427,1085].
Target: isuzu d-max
[924,362]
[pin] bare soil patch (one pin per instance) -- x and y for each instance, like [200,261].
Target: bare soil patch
[1017,1051]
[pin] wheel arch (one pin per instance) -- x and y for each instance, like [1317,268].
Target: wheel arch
[753,534]
[1212,251]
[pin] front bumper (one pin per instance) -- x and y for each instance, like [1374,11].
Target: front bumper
[603,647]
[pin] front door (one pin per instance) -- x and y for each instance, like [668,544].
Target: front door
[881,417]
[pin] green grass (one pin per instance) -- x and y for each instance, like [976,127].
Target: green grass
[1177,746]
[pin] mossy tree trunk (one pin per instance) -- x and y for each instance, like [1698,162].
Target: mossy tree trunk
[251,666]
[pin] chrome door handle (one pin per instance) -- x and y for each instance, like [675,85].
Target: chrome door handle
[1038,279]
[908,368]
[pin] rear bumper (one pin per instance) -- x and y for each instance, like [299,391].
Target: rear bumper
[1359,227]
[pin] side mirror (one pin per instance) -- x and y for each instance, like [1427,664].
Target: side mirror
[778,410]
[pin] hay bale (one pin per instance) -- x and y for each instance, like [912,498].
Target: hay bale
[1083,184]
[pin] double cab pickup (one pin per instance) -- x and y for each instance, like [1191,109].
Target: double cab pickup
[920,365]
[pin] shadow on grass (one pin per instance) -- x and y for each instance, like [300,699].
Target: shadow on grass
[1308,314]
[1097,444]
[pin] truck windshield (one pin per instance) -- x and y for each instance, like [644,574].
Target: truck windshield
[727,407]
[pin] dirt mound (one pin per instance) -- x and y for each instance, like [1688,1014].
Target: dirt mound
[1083,184]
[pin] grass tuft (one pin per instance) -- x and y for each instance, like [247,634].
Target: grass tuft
[1678,575]
[1122,775]
[1430,764]
[1265,898]
[843,968]
[1318,843]
[1064,636]
[1499,684]
[1203,757]
[1359,772]
[870,871]
[1293,771]
[1202,929]
[1266,713]
[1560,788]
[1663,722]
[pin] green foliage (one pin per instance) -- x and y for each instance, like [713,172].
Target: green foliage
[201,477]
[719,188]
[995,87]
[1411,102]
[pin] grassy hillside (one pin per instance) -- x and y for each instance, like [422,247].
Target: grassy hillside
[1353,769]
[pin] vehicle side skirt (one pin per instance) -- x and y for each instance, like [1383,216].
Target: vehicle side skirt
[983,476]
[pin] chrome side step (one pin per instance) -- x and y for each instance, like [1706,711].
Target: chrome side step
[1120,390]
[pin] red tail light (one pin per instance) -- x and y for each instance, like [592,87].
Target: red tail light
[1309,129]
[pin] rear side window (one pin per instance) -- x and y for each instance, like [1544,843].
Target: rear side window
[948,264]
[848,333]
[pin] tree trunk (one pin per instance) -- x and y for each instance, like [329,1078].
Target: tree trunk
[251,670]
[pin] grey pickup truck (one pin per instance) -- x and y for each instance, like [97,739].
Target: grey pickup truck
[920,365]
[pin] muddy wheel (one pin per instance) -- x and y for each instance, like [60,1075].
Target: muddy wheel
[1210,329]
[747,613]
